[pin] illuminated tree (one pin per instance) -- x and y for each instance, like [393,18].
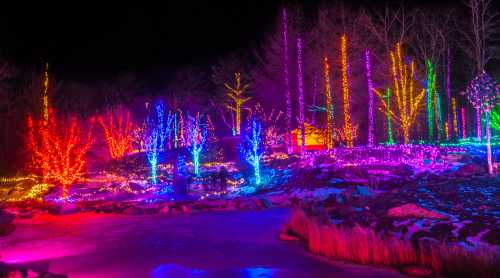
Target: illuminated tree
[273,121]
[431,88]
[408,102]
[484,95]
[371,120]
[118,131]
[286,77]
[164,124]
[346,93]
[300,92]
[253,149]
[151,139]
[58,148]
[390,139]
[329,104]
[197,134]
[236,94]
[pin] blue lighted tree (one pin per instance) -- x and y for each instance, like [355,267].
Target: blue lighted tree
[197,133]
[253,148]
[163,123]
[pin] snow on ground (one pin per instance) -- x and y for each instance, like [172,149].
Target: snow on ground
[211,244]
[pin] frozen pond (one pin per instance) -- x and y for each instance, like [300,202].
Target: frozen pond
[212,244]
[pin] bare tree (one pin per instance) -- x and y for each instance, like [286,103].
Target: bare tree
[483,33]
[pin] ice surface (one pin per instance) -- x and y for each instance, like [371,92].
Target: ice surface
[212,244]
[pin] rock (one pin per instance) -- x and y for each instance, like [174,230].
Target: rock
[132,210]
[7,229]
[403,170]
[363,190]
[69,208]
[285,235]
[471,169]
[442,231]
[414,210]
[417,271]
[6,218]
[492,237]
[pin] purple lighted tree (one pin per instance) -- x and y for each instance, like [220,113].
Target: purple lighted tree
[484,94]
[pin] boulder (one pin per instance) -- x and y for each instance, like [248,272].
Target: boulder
[414,210]
[417,271]
[468,170]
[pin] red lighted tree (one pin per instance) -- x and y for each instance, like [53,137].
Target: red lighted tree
[118,131]
[58,148]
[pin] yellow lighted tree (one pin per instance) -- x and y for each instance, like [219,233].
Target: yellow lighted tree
[408,102]
[236,94]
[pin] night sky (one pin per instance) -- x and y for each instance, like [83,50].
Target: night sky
[85,40]
[89,40]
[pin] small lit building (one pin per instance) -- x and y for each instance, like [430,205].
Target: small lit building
[315,138]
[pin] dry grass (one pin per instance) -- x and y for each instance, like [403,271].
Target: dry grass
[365,246]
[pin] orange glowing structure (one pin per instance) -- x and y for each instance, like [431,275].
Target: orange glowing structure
[315,138]
[329,104]
[118,131]
[236,94]
[408,101]
[58,148]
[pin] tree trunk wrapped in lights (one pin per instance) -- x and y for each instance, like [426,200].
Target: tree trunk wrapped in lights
[408,103]
[371,119]
[197,133]
[300,92]
[118,131]
[346,93]
[431,87]
[58,148]
[236,94]
[288,96]
[329,105]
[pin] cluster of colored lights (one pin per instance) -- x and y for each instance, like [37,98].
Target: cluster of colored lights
[300,92]
[118,128]
[407,101]
[346,93]
[416,155]
[35,193]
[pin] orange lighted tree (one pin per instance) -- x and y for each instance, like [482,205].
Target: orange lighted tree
[408,102]
[118,131]
[236,94]
[346,93]
[58,148]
